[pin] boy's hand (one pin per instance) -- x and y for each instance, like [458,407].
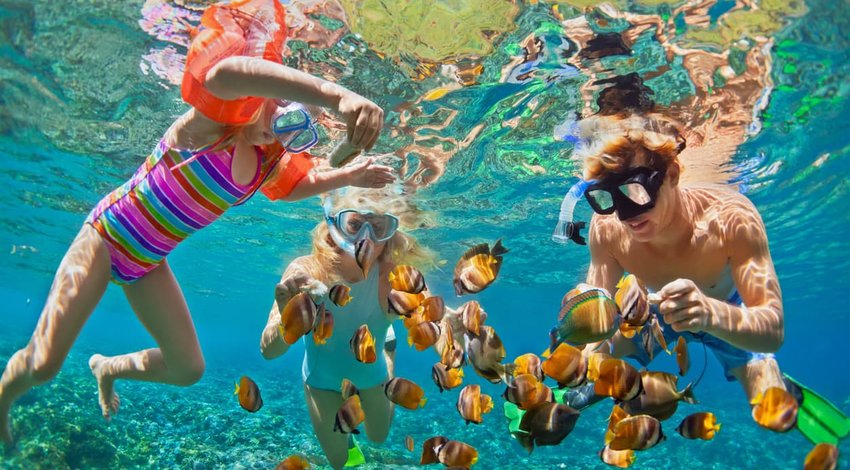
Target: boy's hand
[363,118]
[684,306]
[368,174]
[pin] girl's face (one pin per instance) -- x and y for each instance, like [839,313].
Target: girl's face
[259,131]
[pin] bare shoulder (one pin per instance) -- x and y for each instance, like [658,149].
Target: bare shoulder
[727,211]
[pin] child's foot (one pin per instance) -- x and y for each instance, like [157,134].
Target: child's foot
[106,395]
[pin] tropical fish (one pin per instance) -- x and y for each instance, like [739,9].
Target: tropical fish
[349,416]
[402,303]
[471,404]
[617,414]
[340,295]
[406,278]
[636,433]
[423,335]
[414,319]
[433,308]
[429,447]
[249,394]
[405,393]
[699,426]
[660,397]
[593,362]
[445,378]
[682,358]
[456,454]
[587,316]
[364,250]
[324,325]
[775,409]
[617,458]
[408,443]
[654,332]
[546,424]
[486,352]
[631,298]
[451,352]
[478,268]
[348,389]
[297,318]
[525,391]
[470,315]
[528,364]
[293,462]
[822,457]
[566,366]
[618,379]
[363,345]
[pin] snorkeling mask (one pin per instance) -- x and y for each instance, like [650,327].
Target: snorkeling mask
[350,225]
[630,193]
[293,128]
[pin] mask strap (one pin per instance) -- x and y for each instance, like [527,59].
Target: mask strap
[567,229]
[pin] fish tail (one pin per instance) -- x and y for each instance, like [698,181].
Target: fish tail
[498,248]
[422,402]
[688,394]
[236,388]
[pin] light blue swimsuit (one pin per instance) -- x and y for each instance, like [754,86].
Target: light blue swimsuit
[327,364]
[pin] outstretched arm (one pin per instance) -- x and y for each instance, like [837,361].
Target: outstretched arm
[239,76]
[604,270]
[363,173]
[295,276]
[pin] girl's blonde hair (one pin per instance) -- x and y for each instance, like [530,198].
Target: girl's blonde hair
[402,248]
[613,143]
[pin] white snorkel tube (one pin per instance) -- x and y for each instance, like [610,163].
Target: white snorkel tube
[568,229]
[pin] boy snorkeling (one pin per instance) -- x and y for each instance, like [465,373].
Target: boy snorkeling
[351,217]
[244,132]
[702,249]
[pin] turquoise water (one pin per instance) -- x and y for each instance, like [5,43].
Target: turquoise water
[85,94]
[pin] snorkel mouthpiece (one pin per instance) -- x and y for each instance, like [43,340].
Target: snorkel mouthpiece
[567,229]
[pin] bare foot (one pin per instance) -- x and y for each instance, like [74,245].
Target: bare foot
[106,395]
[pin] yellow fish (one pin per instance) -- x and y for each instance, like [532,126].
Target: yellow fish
[406,278]
[822,457]
[775,409]
[297,317]
[471,404]
[478,268]
[636,433]
[617,458]
[249,394]
[445,378]
[405,393]
[363,345]
[699,426]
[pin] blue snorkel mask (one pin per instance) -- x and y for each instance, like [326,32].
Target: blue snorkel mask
[292,127]
[348,226]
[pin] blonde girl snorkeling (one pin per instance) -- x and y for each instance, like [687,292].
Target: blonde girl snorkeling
[349,217]
[244,132]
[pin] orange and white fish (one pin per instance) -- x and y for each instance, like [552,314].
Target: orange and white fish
[445,378]
[617,414]
[249,394]
[631,298]
[456,454]
[528,364]
[297,317]
[470,315]
[636,433]
[478,268]
[472,404]
[593,362]
[349,416]
[340,295]
[405,393]
[822,457]
[406,278]
[324,325]
[363,345]
[566,365]
[293,462]
[429,450]
[525,391]
[423,335]
[403,303]
[348,389]
[546,424]
[617,458]
[486,352]
[433,308]
[619,380]
[775,409]
[682,358]
[364,251]
[660,397]
[699,426]
[408,443]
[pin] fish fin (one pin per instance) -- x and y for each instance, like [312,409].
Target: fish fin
[236,390]
[717,427]
[688,394]
[498,248]
[545,354]
[422,402]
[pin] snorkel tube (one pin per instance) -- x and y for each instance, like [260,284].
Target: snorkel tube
[568,229]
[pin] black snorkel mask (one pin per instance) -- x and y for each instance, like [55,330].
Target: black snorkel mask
[629,193]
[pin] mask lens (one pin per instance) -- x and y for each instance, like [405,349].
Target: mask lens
[302,140]
[636,192]
[601,198]
[350,223]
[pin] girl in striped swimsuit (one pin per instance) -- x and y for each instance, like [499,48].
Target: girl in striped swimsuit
[197,171]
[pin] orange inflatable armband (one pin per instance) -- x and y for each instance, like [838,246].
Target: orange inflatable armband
[255,28]
[287,175]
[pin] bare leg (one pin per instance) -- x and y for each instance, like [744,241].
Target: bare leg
[379,413]
[159,304]
[758,376]
[77,288]
[323,405]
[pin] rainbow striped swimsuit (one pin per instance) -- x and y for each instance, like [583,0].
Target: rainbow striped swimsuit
[165,202]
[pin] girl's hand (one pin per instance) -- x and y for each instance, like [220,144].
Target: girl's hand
[685,307]
[368,174]
[289,288]
[363,118]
